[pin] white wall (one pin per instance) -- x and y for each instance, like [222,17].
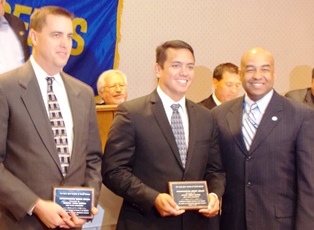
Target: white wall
[219,31]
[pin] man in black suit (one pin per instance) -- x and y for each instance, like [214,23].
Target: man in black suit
[12,29]
[142,155]
[304,95]
[270,183]
[227,84]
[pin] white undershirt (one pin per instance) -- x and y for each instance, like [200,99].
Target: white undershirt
[60,92]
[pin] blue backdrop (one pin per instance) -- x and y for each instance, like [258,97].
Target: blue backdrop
[95,33]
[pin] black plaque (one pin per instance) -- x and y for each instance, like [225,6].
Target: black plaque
[80,200]
[189,195]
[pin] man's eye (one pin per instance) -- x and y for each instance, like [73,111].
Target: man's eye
[265,70]
[249,70]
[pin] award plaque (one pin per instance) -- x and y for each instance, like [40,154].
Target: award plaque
[189,195]
[80,200]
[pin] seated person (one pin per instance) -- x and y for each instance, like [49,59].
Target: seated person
[112,87]
[227,85]
[304,95]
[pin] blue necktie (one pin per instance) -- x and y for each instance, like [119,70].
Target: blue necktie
[250,124]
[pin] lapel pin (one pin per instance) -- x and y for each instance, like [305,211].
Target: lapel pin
[21,33]
[274,118]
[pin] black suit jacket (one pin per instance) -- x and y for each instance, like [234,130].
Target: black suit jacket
[272,185]
[208,102]
[18,27]
[141,157]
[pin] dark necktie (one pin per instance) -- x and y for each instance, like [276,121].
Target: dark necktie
[58,128]
[249,125]
[178,131]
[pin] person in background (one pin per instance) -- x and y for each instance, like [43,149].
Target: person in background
[143,152]
[227,85]
[13,41]
[266,143]
[46,143]
[112,87]
[304,95]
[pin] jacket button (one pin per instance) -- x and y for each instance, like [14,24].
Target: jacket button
[248,184]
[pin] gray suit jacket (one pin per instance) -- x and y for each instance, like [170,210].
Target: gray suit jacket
[29,163]
[302,95]
[272,185]
[141,157]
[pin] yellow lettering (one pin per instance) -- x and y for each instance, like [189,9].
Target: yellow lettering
[82,24]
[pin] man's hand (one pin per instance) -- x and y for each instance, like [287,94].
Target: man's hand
[213,206]
[77,222]
[166,206]
[51,214]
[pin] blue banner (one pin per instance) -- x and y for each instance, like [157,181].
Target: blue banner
[95,33]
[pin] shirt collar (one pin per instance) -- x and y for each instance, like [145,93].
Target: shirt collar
[261,103]
[167,101]
[40,73]
[216,99]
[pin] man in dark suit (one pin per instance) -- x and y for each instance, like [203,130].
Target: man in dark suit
[8,22]
[142,155]
[227,84]
[304,95]
[30,163]
[270,183]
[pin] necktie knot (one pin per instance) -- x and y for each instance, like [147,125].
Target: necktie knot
[175,107]
[253,107]
[49,80]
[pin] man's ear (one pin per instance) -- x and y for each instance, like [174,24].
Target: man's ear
[33,36]
[158,70]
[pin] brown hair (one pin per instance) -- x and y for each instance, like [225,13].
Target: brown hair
[38,18]
[225,67]
[161,54]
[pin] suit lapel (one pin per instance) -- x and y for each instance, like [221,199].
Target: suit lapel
[162,120]
[234,119]
[35,106]
[272,116]
[192,131]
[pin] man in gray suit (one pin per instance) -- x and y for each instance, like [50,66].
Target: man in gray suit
[270,183]
[29,162]
[142,155]
[304,95]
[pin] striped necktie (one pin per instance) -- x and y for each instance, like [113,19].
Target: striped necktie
[250,125]
[178,131]
[58,128]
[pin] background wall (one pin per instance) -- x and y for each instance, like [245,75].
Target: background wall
[219,31]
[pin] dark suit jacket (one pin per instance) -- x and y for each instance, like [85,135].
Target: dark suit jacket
[19,28]
[272,185]
[302,95]
[208,102]
[141,157]
[29,163]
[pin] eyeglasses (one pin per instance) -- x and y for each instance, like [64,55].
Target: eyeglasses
[115,86]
